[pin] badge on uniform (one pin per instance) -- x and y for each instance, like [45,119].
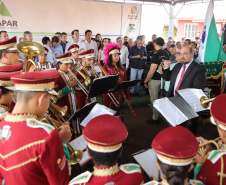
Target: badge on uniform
[5,133]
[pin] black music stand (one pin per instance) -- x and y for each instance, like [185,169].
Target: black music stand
[79,113]
[102,85]
[123,86]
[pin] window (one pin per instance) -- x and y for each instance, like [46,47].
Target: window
[190,31]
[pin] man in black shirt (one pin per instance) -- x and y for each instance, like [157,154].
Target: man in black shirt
[153,79]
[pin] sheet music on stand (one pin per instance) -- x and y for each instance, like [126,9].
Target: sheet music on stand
[147,160]
[169,111]
[97,111]
[192,97]
[81,144]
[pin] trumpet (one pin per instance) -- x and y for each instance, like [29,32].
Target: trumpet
[30,51]
[202,146]
[60,110]
[205,102]
[111,96]
[75,154]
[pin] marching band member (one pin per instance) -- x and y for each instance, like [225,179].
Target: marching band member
[74,50]
[104,147]
[65,85]
[113,66]
[31,151]
[42,63]
[212,170]
[175,155]
[85,68]
[9,54]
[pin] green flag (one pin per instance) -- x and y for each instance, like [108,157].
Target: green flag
[209,47]
[222,54]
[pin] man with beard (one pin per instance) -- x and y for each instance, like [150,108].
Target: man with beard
[187,74]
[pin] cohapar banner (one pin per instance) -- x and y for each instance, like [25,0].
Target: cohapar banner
[44,18]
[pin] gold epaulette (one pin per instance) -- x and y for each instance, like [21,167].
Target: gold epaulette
[34,123]
[215,155]
[130,168]
[82,178]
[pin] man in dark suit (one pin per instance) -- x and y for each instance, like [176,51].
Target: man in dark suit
[187,74]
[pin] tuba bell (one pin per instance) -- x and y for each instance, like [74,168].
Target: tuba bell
[30,51]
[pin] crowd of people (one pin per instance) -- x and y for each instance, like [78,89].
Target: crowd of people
[32,151]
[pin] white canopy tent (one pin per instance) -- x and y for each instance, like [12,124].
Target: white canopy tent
[171,12]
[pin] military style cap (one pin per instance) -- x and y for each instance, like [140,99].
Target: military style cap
[175,146]
[9,44]
[105,133]
[114,50]
[218,111]
[73,47]
[38,81]
[46,50]
[87,54]
[5,78]
[11,68]
[64,58]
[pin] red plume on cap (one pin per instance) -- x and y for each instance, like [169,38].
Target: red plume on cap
[108,49]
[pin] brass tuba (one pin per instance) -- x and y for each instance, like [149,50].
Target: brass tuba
[30,50]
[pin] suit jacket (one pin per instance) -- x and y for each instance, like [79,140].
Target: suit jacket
[194,77]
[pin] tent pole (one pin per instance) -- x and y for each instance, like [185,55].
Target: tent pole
[171,20]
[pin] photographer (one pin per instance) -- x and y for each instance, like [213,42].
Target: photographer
[153,79]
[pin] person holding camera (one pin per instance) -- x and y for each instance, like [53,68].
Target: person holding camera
[153,79]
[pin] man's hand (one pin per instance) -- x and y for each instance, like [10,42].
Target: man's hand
[143,58]
[166,63]
[72,83]
[65,133]
[146,85]
[137,56]
[200,158]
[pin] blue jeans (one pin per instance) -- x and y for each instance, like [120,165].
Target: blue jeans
[135,74]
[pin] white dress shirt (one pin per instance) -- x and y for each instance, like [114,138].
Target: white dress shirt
[124,56]
[92,45]
[179,74]
[81,45]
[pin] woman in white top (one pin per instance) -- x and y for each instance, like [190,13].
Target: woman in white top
[101,55]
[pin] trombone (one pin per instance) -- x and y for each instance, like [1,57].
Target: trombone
[79,83]
[30,51]
[76,155]
[111,96]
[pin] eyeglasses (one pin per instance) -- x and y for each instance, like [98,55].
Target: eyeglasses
[180,54]
[16,52]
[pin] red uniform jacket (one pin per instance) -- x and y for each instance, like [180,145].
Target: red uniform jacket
[107,100]
[31,152]
[128,174]
[210,172]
